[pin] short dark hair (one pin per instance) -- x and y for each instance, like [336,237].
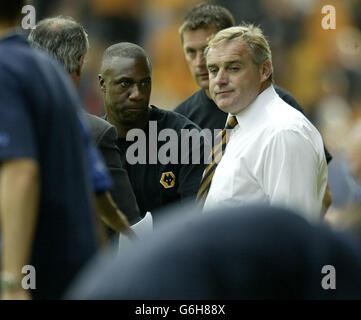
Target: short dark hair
[126,50]
[11,10]
[63,38]
[206,16]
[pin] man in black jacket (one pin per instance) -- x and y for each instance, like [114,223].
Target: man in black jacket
[161,170]
[104,136]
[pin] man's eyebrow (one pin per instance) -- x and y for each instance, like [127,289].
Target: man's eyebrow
[146,79]
[233,61]
[121,78]
[196,49]
[132,80]
[211,65]
[226,63]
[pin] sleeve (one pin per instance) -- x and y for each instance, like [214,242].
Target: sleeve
[122,192]
[98,172]
[17,136]
[108,148]
[108,138]
[290,174]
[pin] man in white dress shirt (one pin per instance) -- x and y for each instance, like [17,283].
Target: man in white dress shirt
[274,154]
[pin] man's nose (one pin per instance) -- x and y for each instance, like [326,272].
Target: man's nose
[221,78]
[136,92]
[200,60]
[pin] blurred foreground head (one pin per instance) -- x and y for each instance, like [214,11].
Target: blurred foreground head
[239,253]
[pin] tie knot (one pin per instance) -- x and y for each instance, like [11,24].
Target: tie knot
[231,123]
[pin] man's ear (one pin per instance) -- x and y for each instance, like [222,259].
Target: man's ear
[101,83]
[265,70]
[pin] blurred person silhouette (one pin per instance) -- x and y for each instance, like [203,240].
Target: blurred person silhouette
[67,41]
[48,170]
[334,119]
[355,150]
[251,252]
[199,24]
[348,217]
[126,80]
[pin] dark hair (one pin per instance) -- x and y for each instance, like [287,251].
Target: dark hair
[63,38]
[11,10]
[205,16]
[126,50]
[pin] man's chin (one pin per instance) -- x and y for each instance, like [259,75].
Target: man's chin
[228,107]
[133,118]
[204,84]
[223,105]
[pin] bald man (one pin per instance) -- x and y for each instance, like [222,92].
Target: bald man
[125,80]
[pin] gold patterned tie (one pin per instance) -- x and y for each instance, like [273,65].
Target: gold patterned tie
[216,155]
